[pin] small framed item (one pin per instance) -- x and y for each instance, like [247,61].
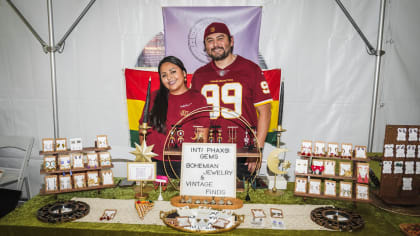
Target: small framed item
[64,162]
[276,213]
[76,144]
[319,149]
[92,178]
[329,168]
[61,144]
[345,189]
[398,167]
[315,186]
[407,184]
[412,134]
[183,221]
[258,213]
[51,183]
[92,160]
[107,177]
[300,185]
[105,159]
[317,167]
[101,141]
[400,151]
[48,145]
[141,171]
[417,167]
[77,160]
[50,163]
[301,166]
[362,192]
[330,188]
[345,169]
[346,150]
[306,148]
[108,214]
[360,152]
[409,167]
[387,167]
[411,151]
[65,182]
[79,180]
[332,149]
[388,150]
[401,134]
[362,172]
[220,223]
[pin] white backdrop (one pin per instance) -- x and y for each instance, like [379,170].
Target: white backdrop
[328,74]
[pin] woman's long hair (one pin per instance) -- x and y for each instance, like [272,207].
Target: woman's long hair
[160,105]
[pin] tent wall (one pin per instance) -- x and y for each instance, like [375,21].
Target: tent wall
[328,74]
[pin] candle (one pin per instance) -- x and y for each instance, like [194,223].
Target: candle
[280,119]
[146,105]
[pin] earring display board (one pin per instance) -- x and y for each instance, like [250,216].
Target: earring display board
[81,169]
[400,174]
[332,173]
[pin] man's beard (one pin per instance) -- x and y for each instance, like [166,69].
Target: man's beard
[221,56]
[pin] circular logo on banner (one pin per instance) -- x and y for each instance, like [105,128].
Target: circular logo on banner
[195,38]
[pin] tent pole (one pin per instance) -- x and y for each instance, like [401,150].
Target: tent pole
[377,73]
[52,66]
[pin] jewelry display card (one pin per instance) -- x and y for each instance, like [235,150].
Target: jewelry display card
[317,167]
[362,192]
[319,148]
[300,185]
[64,162]
[306,148]
[47,144]
[398,167]
[330,188]
[346,150]
[402,134]
[400,150]
[362,172]
[79,180]
[360,152]
[345,189]
[412,134]
[92,178]
[101,141]
[107,177]
[77,159]
[61,144]
[50,163]
[407,184]
[409,167]
[332,150]
[301,166]
[76,144]
[276,213]
[411,151]
[417,167]
[315,186]
[329,167]
[345,169]
[65,182]
[105,159]
[51,183]
[92,159]
[388,150]
[387,167]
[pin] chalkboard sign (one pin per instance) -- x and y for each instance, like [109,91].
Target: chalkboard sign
[208,169]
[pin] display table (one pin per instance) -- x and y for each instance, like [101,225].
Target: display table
[23,221]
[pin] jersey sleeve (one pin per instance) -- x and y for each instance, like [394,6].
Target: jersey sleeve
[203,118]
[262,92]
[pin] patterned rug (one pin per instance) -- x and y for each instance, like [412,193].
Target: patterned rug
[296,217]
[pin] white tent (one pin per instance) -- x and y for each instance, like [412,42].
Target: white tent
[328,74]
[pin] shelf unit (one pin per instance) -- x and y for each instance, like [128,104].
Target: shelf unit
[72,171]
[336,178]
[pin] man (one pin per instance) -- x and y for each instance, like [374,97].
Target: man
[235,87]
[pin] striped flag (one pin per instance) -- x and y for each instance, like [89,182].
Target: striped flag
[136,89]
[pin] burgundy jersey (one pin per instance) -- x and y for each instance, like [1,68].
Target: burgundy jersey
[233,92]
[178,107]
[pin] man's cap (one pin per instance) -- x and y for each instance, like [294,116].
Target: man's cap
[216,27]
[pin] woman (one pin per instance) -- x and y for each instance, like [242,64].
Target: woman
[173,101]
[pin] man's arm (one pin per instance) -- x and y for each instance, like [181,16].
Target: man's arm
[263,124]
